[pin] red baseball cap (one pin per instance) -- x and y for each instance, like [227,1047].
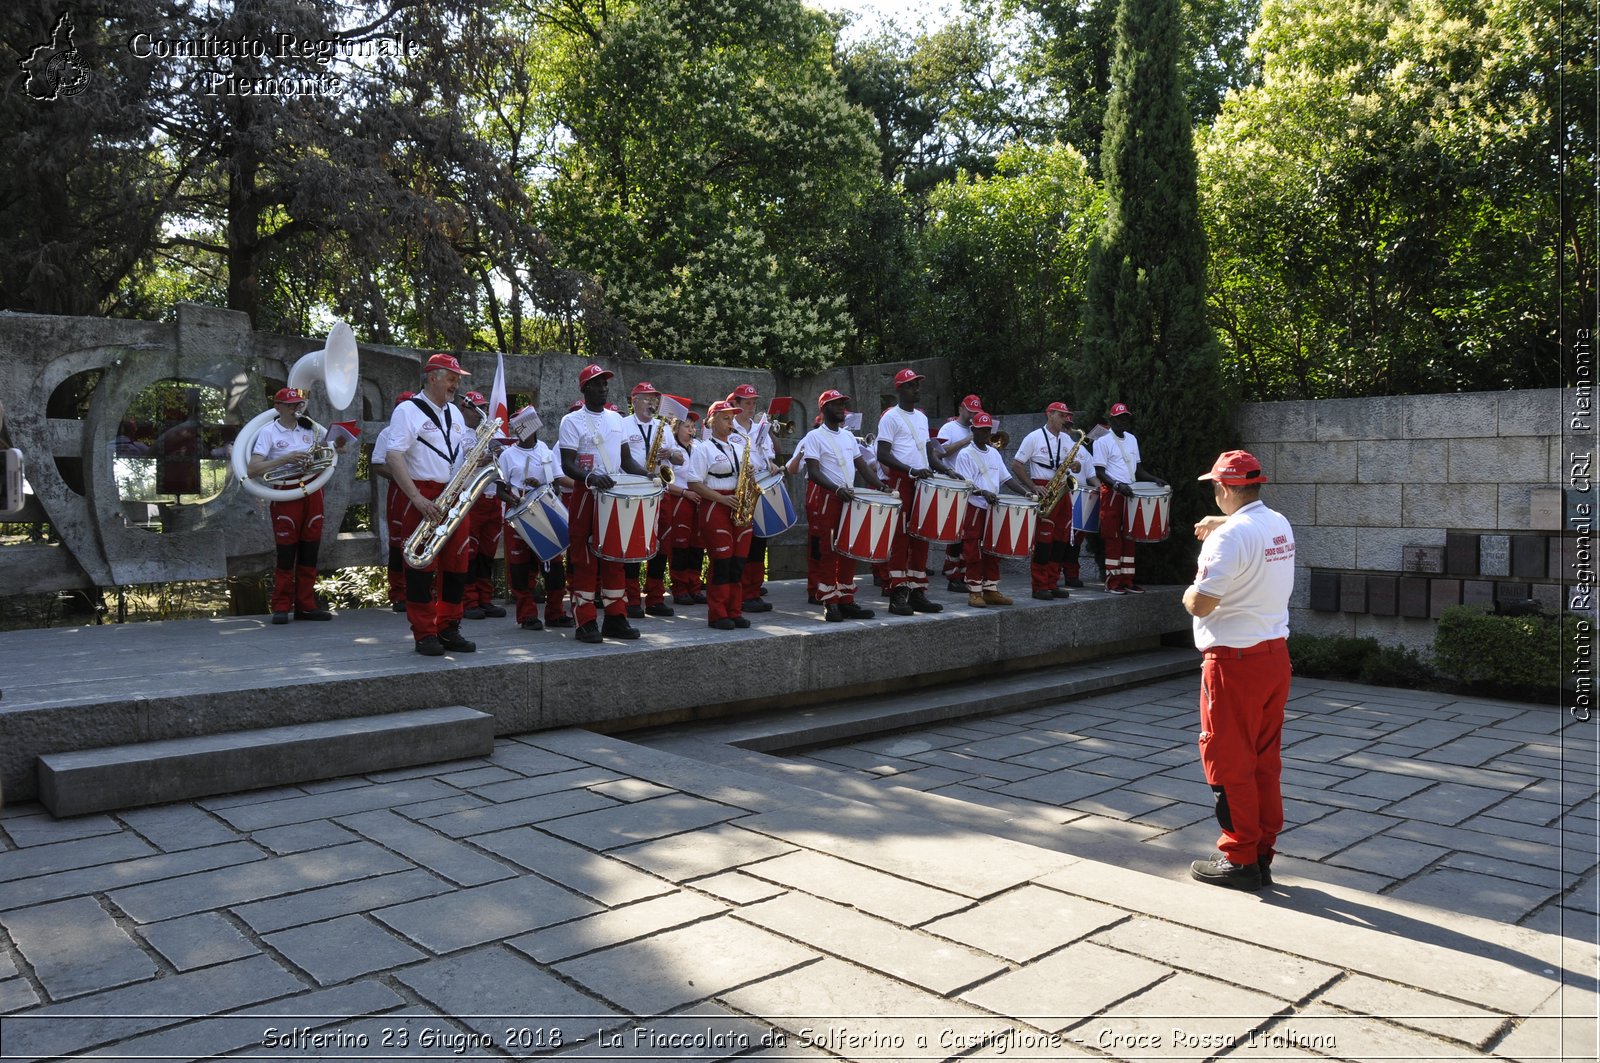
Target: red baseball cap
[906,376]
[476,398]
[693,416]
[289,395]
[590,372]
[973,403]
[577,404]
[831,395]
[1059,407]
[720,406]
[644,387]
[444,361]
[744,391]
[1236,467]
[1120,409]
[405,396]
[981,420]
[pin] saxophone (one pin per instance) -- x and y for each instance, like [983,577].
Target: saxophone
[745,492]
[1058,483]
[652,460]
[455,501]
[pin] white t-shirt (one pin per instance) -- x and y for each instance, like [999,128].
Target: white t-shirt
[761,444]
[276,441]
[835,451]
[1041,453]
[952,432]
[985,468]
[1119,457]
[907,434]
[1248,563]
[431,454]
[597,438]
[519,464]
[380,447]
[715,464]
[643,434]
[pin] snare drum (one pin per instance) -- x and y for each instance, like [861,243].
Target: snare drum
[939,509]
[1009,531]
[867,526]
[1146,515]
[541,520]
[625,519]
[774,509]
[1086,510]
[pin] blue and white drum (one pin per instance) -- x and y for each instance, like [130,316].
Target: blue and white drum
[774,509]
[1086,510]
[541,520]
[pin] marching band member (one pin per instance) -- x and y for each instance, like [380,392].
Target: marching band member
[526,467]
[683,515]
[296,523]
[427,440]
[393,502]
[797,461]
[594,445]
[986,469]
[1055,548]
[764,456]
[485,521]
[644,426]
[713,474]
[954,435]
[832,459]
[907,454]
[1117,465]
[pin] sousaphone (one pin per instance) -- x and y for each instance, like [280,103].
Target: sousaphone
[337,366]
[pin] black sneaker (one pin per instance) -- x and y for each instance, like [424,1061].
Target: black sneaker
[812,599]
[312,614]
[494,611]
[450,638]
[533,623]
[900,602]
[398,607]
[1223,872]
[1263,865]
[280,618]
[698,598]
[635,612]
[852,611]
[724,624]
[617,627]
[589,632]
[473,614]
[659,609]
[955,586]
[1134,588]
[561,621]
[756,605]
[683,599]
[430,646]
[1057,592]
[1043,596]
[921,603]
[740,622]
[831,613]
[1073,583]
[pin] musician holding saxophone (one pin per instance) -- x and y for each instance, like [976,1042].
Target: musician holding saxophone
[652,436]
[757,432]
[1048,457]
[428,444]
[282,446]
[717,469]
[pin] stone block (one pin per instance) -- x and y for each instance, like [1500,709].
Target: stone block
[453,860]
[1326,547]
[1549,597]
[198,941]
[1087,975]
[1382,595]
[1360,505]
[1511,591]
[1477,592]
[1297,502]
[495,988]
[1422,560]
[1352,594]
[1460,554]
[1025,924]
[1276,421]
[873,892]
[482,914]
[1383,549]
[1457,416]
[1545,507]
[611,882]
[75,947]
[1325,592]
[1494,555]
[1529,558]
[1450,505]
[342,948]
[1396,461]
[1317,463]
[1442,594]
[1517,460]
[1562,557]
[1413,593]
[612,828]
[1534,412]
[1351,419]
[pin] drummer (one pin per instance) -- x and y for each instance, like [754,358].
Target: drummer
[907,454]
[1117,466]
[527,467]
[1042,453]
[713,473]
[833,460]
[594,450]
[955,435]
[764,456]
[644,426]
[986,469]
[682,507]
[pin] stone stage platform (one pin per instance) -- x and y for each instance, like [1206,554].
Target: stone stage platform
[68,689]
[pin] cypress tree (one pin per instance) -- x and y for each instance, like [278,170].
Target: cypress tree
[1146,340]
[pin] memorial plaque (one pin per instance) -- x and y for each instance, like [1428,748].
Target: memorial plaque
[1563,559]
[1548,595]
[1442,594]
[1510,592]
[1555,563]
[1461,553]
[1324,591]
[1413,596]
[1423,559]
[1477,592]
[1494,555]
[1528,558]
[1545,509]
[1353,595]
[1382,595]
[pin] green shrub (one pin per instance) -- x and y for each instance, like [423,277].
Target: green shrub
[1476,647]
[357,587]
[1396,666]
[1330,656]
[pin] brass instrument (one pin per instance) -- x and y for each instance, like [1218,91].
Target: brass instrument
[1058,483]
[745,492]
[999,441]
[295,473]
[455,501]
[652,459]
[336,365]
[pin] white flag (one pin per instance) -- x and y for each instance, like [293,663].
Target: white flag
[497,398]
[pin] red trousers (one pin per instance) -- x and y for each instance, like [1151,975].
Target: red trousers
[908,556]
[982,570]
[682,537]
[395,503]
[521,565]
[835,573]
[1242,694]
[727,546]
[655,569]
[431,613]
[596,582]
[484,524]
[1119,551]
[1055,548]
[297,533]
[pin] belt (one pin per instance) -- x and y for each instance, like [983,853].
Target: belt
[1228,653]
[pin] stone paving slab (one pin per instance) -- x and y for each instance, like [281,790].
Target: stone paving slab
[898,900]
[1067,987]
[614,927]
[75,947]
[1026,923]
[194,941]
[480,914]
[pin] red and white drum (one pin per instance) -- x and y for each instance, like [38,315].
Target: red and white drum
[625,519]
[1146,515]
[939,510]
[1009,531]
[867,526]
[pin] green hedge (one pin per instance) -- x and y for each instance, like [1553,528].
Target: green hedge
[1359,660]
[1514,652]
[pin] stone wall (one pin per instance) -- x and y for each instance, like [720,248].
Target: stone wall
[1465,477]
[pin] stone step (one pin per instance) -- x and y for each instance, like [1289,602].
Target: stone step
[152,773]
